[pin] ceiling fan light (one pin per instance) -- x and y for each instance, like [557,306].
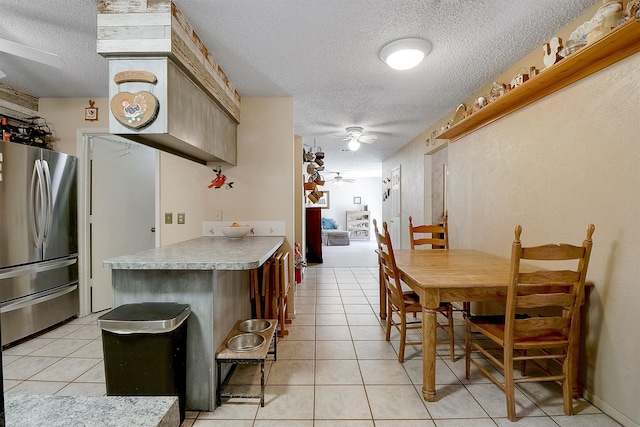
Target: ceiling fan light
[354,131]
[405,54]
[353,144]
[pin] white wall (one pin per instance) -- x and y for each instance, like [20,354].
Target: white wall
[341,200]
[65,115]
[411,159]
[263,180]
[265,164]
[555,166]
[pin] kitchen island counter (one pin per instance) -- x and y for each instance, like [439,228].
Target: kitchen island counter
[203,253]
[211,274]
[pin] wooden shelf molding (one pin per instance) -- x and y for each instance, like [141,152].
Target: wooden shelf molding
[622,42]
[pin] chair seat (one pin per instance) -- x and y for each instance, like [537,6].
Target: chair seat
[493,327]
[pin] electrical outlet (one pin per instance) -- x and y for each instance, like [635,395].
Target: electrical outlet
[217,215]
[168,218]
[181,218]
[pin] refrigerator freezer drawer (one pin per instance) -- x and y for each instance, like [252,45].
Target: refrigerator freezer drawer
[22,281]
[26,316]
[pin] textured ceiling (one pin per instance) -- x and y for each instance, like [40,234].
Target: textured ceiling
[324,54]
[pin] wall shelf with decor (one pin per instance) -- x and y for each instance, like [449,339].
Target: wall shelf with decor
[622,42]
[358,225]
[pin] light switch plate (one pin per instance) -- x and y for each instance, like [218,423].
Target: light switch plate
[168,218]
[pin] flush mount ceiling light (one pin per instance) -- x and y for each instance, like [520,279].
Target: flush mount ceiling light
[405,54]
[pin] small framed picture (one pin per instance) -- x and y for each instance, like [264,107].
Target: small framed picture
[323,202]
[91,112]
[357,200]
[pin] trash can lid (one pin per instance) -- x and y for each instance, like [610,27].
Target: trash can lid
[146,317]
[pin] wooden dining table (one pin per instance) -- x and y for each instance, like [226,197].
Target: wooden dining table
[454,275]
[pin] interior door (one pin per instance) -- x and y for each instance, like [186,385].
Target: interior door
[122,211]
[394,227]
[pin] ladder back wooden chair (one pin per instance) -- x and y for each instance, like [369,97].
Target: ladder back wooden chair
[437,236]
[434,234]
[400,302]
[541,321]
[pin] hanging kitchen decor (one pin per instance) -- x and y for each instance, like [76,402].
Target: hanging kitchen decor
[315,164]
[135,110]
[220,179]
[91,112]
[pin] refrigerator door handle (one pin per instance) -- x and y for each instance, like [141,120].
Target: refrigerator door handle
[48,206]
[40,267]
[36,202]
[36,299]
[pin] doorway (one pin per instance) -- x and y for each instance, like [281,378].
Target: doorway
[117,209]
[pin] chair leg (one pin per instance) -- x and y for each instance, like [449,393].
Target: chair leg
[403,336]
[467,349]
[509,385]
[466,309]
[389,319]
[567,386]
[452,344]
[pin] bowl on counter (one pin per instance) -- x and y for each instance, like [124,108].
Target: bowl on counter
[236,231]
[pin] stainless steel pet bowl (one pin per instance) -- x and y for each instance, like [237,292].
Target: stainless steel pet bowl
[254,325]
[246,342]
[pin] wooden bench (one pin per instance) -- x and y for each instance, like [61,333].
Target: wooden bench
[258,356]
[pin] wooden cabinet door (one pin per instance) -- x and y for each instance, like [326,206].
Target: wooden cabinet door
[314,235]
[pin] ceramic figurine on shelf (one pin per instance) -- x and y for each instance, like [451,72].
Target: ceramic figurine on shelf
[551,51]
[520,78]
[480,102]
[497,91]
[633,9]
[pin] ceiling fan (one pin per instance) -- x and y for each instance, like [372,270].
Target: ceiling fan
[338,179]
[30,53]
[355,136]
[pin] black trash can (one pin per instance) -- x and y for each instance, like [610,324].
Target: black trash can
[145,350]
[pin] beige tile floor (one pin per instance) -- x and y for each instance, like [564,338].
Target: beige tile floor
[333,369]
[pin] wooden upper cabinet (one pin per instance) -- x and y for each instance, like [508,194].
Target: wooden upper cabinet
[622,42]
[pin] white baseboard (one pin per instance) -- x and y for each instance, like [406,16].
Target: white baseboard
[607,409]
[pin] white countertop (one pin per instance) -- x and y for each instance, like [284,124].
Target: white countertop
[99,411]
[203,253]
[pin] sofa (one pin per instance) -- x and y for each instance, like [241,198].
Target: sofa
[332,235]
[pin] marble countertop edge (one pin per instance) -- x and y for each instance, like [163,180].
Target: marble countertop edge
[94,411]
[203,253]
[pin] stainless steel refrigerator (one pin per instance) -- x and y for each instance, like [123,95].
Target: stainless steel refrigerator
[38,240]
